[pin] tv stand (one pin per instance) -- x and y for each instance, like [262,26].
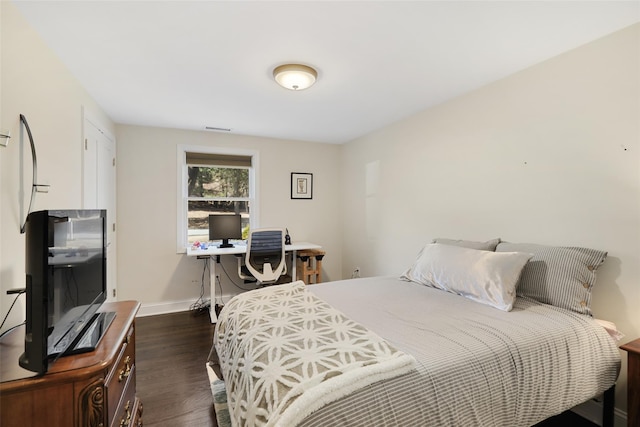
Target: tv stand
[225,244]
[92,334]
[90,389]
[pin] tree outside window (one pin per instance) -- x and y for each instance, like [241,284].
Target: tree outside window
[215,190]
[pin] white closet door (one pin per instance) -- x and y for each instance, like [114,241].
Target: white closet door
[99,188]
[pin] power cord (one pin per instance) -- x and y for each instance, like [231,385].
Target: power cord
[9,292]
[201,305]
[234,283]
[219,287]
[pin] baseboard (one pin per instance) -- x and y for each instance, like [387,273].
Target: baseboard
[592,411]
[152,309]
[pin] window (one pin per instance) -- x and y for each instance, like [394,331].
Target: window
[214,182]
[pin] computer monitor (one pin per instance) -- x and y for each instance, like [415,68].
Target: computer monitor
[224,227]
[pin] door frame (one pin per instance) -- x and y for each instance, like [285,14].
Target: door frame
[90,119]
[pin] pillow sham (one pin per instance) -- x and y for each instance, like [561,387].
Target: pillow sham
[482,276]
[558,275]
[489,245]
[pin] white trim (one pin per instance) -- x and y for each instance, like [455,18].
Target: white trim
[89,119]
[222,199]
[181,194]
[152,309]
[87,115]
[181,158]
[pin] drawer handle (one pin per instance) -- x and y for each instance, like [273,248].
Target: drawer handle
[127,369]
[125,421]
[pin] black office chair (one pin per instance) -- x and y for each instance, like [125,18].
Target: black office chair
[264,260]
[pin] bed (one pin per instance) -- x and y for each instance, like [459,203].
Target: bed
[462,337]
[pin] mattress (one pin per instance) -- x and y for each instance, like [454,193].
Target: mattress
[476,365]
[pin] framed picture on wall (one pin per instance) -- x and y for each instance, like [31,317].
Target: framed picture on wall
[301,185]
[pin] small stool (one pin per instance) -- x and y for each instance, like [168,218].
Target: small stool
[310,265]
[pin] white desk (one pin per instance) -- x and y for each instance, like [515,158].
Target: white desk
[213,252]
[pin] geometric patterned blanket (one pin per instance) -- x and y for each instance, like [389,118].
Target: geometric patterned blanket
[284,353]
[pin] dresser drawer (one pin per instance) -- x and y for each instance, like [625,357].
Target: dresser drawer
[118,377]
[79,390]
[126,412]
[137,416]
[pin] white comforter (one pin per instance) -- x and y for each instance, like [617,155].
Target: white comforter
[285,353]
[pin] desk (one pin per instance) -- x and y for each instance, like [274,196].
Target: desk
[213,252]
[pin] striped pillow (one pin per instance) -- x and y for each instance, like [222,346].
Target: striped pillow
[560,276]
[489,245]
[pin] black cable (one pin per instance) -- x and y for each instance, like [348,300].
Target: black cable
[219,285]
[12,328]
[231,280]
[200,304]
[204,273]
[200,301]
[7,315]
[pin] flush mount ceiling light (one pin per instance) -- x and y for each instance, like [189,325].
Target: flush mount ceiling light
[295,76]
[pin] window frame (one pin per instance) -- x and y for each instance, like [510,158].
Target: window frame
[182,226]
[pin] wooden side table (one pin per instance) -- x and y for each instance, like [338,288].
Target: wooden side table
[310,268]
[633,382]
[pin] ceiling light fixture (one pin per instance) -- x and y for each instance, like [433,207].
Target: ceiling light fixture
[295,76]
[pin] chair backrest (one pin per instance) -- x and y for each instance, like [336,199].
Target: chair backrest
[265,254]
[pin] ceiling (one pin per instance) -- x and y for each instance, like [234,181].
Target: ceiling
[189,65]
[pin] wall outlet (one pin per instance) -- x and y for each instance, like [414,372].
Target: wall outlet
[356,273]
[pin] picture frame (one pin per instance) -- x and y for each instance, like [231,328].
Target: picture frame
[301,185]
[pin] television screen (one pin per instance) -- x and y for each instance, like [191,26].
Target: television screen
[66,284]
[224,227]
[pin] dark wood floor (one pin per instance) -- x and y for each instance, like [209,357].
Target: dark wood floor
[567,419]
[172,383]
[171,352]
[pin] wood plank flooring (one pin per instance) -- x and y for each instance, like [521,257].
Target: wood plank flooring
[171,352]
[171,379]
[566,419]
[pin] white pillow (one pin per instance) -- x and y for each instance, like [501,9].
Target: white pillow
[482,276]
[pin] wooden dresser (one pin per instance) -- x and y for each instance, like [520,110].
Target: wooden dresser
[633,382]
[95,389]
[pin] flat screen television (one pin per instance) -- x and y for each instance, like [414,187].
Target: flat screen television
[225,227]
[65,268]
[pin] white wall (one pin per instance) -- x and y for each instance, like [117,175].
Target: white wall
[2,307]
[150,270]
[550,155]
[34,82]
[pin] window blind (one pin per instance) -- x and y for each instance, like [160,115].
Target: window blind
[211,159]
